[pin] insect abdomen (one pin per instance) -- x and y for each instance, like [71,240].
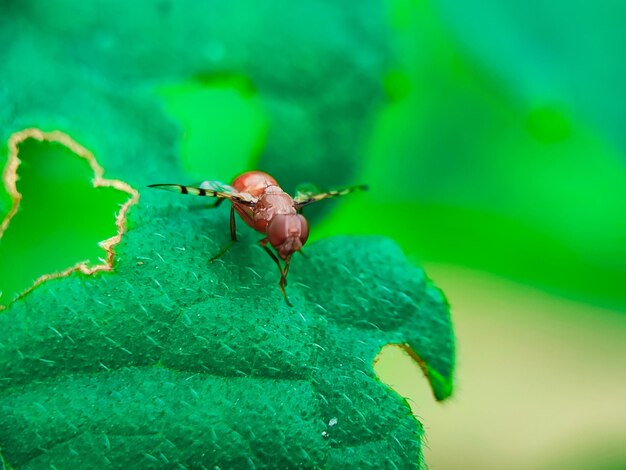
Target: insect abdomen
[253,182]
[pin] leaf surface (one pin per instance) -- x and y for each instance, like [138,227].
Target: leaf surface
[175,360]
[170,360]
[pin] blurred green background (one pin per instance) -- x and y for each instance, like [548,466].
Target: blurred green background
[491,135]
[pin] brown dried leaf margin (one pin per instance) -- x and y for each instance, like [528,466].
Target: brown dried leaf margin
[10,176]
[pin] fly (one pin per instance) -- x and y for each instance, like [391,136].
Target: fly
[263,205]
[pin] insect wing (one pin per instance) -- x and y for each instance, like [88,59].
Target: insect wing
[305,192]
[218,186]
[223,188]
[210,189]
[308,198]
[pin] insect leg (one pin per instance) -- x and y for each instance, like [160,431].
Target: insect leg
[264,243]
[216,204]
[213,205]
[223,251]
[233,229]
[233,234]
[283,278]
[283,273]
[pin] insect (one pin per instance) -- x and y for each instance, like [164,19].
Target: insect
[263,205]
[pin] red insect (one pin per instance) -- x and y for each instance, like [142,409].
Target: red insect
[264,206]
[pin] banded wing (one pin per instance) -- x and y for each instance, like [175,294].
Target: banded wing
[217,186]
[305,191]
[210,189]
[308,194]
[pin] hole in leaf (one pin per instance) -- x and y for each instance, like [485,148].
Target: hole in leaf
[61,217]
[396,369]
[224,125]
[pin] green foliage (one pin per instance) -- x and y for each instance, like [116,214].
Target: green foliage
[171,359]
[223,122]
[502,146]
[106,73]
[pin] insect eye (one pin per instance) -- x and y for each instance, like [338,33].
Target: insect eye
[278,230]
[304,229]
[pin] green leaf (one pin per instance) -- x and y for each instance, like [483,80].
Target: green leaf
[176,360]
[141,85]
[170,360]
[494,156]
